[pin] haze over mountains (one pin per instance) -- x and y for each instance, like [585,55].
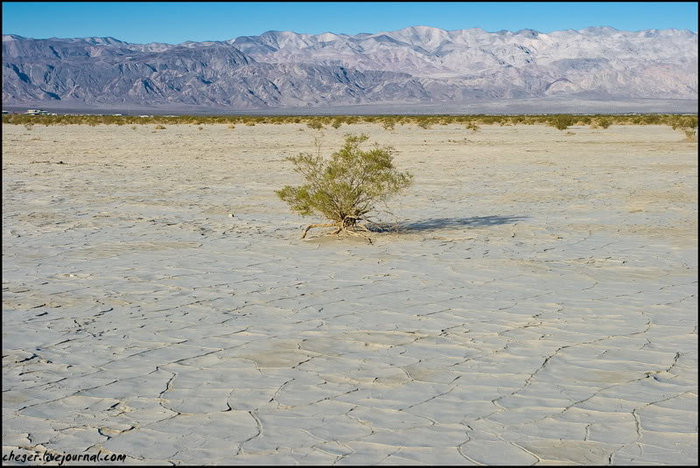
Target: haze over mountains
[415,66]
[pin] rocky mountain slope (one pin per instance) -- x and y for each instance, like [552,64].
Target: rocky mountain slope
[416,65]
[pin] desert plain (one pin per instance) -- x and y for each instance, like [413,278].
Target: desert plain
[531,299]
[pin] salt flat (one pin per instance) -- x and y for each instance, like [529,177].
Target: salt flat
[535,303]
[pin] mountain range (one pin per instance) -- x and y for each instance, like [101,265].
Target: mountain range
[410,67]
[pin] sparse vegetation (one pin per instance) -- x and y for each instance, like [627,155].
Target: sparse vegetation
[423,122]
[388,124]
[346,187]
[561,121]
[683,122]
[691,134]
[688,125]
[471,126]
[602,122]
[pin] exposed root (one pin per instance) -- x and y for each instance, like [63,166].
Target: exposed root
[311,226]
[355,233]
[347,225]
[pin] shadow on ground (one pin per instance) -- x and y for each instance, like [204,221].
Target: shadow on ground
[436,224]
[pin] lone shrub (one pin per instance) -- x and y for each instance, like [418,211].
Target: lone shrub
[346,187]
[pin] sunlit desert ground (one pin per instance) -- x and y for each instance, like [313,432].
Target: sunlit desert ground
[532,298]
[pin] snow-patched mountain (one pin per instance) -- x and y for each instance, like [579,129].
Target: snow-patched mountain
[413,65]
[474,63]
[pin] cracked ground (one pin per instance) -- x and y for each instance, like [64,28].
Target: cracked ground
[530,300]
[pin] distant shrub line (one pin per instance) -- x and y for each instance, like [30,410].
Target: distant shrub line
[683,122]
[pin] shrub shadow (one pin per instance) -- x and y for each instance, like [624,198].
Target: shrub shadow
[437,224]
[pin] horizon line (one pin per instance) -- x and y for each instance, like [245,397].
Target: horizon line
[362,33]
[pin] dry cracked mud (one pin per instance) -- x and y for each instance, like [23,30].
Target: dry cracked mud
[531,299]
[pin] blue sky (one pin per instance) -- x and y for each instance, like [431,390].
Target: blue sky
[175,22]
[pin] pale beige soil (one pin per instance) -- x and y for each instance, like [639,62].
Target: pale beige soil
[535,303]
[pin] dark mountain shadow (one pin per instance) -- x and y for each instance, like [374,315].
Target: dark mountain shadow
[436,224]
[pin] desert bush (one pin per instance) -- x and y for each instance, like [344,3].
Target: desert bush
[425,123]
[472,126]
[561,122]
[681,122]
[684,121]
[688,124]
[346,187]
[489,119]
[603,122]
[652,119]
[690,134]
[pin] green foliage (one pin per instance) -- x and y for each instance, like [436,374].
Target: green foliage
[471,126]
[346,187]
[561,121]
[686,123]
[388,123]
[603,122]
[424,123]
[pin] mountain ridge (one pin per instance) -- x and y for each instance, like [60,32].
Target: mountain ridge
[413,66]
